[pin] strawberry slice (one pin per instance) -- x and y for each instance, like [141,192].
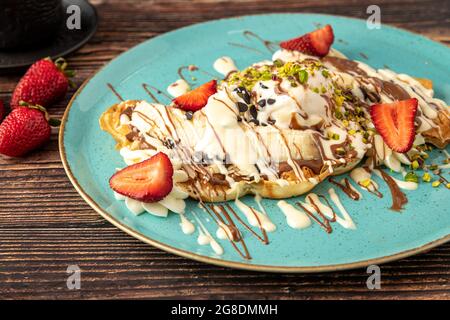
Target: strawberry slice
[395,122]
[147,181]
[196,99]
[315,43]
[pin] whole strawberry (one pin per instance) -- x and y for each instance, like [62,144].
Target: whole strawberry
[23,130]
[2,110]
[44,83]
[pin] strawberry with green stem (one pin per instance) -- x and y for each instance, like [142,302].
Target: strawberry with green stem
[44,83]
[25,129]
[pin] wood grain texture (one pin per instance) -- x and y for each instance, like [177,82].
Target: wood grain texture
[46,226]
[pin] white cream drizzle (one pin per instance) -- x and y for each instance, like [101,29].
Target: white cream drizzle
[178,88]
[186,226]
[360,175]
[346,221]
[295,218]
[253,216]
[224,65]
[205,238]
[223,232]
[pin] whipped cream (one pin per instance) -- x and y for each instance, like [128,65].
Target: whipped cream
[178,88]
[224,65]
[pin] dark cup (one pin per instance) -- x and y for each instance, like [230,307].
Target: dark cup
[25,23]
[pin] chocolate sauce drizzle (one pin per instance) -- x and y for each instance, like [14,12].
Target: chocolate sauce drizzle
[264,238]
[398,197]
[222,217]
[346,188]
[226,220]
[271,46]
[110,86]
[192,68]
[149,88]
[320,218]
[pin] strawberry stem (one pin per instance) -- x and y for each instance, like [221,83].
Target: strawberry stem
[54,122]
[62,64]
[35,106]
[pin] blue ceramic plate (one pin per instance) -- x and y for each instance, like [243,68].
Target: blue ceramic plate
[382,235]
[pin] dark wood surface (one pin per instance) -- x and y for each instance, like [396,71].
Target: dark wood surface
[46,226]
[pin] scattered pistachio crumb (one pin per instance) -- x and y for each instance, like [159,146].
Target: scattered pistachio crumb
[436,184]
[426,177]
[415,165]
[411,177]
[365,183]
[333,136]
[302,76]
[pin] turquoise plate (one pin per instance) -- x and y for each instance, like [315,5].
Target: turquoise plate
[382,235]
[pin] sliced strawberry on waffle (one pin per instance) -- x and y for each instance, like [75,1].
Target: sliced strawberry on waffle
[147,181]
[395,123]
[315,43]
[196,99]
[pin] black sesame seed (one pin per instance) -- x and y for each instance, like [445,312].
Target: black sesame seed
[253,112]
[271,101]
[243,93]
[246,96]
[239,118]
[254,121]
[263,86]
[189,115]
[271,121]
[262,103]
[242,107]
[169,144]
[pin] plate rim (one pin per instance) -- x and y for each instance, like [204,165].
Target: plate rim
[212,260]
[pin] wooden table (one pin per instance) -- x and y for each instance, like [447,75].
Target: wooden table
[46,226]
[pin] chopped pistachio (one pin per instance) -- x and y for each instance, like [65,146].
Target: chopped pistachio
[426,177]
[339,100]
[334,136]
[316,90]
[340,151]
[302,76]
[436,184]
[278,63]
[433,167]
[365,183]
[447,185]
[415,165]
[325,73]
[352,131]
[411,177]
[344,122]
[338,114]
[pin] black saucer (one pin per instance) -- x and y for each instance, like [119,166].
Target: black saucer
[65,42]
